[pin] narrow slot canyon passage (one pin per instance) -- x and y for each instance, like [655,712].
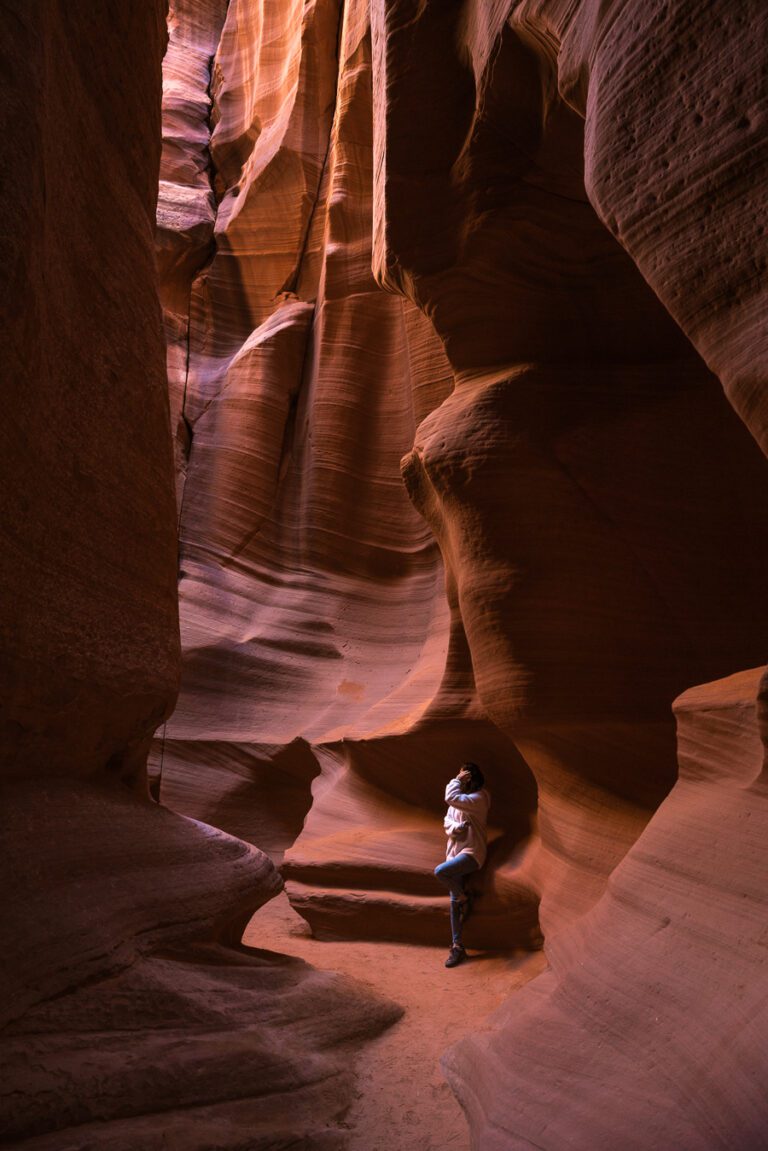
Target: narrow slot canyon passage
[384,392]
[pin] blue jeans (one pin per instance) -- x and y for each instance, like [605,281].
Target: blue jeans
[452,874]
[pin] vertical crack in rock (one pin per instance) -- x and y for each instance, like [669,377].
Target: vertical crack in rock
[290,286]
[185,238]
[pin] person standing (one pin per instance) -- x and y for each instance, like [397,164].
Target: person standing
[466,827]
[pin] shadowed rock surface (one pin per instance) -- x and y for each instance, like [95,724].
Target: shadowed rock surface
[656,999]
[570,195]
[131,1015]
[515,252]
[89,613]
[580,585]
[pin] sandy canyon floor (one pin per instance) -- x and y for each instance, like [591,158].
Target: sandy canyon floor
[402,1100]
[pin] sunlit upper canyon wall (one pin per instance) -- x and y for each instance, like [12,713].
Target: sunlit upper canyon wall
[446,319]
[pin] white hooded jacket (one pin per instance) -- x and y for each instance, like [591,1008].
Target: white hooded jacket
[465,821]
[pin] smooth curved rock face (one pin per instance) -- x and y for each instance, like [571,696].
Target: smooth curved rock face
[598,506]
[675,153]
[684,116]
[259,792]
[587,577]
[601,563]
[89,614]
[578,483]
[316,633]
[248,1050]
[655,1006]
[65,933]
[119,1009]
[131,1015]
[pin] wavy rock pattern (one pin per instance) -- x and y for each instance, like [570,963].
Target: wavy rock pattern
[131,1016]
[143,1004]
[562,201]
[656,1000]
[570,480]
[312,602]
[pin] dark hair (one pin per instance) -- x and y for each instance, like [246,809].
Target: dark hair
[478,779]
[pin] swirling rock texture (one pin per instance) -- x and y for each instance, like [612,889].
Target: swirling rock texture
[571,195]
[575,576]
[131,1016]
[322,665]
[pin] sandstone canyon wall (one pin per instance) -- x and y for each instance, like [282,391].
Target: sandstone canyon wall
[564,205]
[322,665]
[131,1017]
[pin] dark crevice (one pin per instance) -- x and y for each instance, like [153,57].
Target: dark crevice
[208,255]
[291,284]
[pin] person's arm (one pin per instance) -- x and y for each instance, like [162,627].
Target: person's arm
[473,801]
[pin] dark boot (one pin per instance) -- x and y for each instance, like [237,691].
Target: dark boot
[456,956]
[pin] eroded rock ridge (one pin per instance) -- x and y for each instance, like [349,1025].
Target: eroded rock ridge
[563,205]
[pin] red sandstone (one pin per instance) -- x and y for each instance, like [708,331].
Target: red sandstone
[463,307]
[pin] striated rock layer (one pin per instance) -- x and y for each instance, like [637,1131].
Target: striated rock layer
[318,644]
[656,1000]
[562,203]
[137,1019]
[131,1016]
[604,514]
